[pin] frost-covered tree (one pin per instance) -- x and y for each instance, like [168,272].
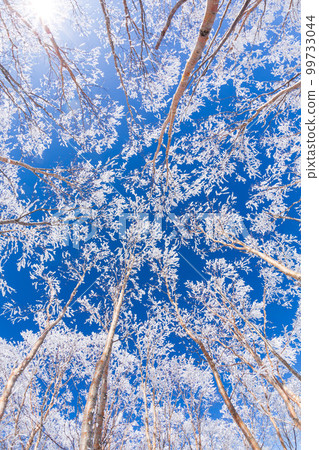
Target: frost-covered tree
[149,224]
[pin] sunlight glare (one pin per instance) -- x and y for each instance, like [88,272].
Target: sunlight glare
[44,9]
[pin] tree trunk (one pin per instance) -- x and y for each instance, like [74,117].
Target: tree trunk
[101,408]
[236,417]
[15,374]
[86,440]
[206,26]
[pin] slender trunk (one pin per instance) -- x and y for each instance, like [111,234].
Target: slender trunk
[280,388]
[280,94]
[146,419]
[86,440]
[155,420]
[278,432]
[34,170]
[241,246]
[32,436]
[295,398]
[272,380]
[15,374]
[267,344]
[206,26]
[168,22]
[271,418]
[118,68]
[236,417]
[289,272]
[101,409]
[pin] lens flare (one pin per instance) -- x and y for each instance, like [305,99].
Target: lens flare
[44,9]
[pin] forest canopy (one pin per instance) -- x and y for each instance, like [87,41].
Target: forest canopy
[150,224]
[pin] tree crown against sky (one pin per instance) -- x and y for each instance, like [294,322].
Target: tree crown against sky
[149,228]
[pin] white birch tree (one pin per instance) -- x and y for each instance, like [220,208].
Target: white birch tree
[150,224]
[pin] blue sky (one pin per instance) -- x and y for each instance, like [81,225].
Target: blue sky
[234,189]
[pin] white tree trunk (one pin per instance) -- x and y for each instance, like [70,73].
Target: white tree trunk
[87,431]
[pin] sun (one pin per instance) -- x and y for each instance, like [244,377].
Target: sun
[44,9]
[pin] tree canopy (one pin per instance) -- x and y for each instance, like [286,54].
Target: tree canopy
[150,224]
